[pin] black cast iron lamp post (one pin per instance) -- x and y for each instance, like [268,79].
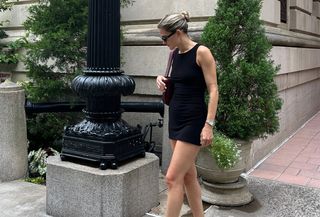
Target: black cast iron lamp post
[103,137]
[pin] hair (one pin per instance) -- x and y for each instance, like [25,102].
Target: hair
[175,21]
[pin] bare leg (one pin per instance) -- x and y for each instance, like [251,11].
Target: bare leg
[193,191]
[183,158]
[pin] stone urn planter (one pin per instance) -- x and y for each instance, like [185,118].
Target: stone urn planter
[224,187]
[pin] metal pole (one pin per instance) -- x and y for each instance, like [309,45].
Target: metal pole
[103,137]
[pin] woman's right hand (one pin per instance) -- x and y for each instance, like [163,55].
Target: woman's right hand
[160,83]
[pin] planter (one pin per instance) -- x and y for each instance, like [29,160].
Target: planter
[210,172]
[224,187]
[4,76]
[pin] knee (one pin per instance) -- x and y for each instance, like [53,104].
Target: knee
[171,180]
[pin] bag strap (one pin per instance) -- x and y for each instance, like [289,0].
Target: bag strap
[169,64]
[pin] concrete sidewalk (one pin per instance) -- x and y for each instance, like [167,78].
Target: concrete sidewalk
[22,199]
[271,199]
[274,199]
[297,160]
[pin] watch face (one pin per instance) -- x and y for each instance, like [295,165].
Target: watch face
[210,123]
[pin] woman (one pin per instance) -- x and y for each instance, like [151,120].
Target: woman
[190,121]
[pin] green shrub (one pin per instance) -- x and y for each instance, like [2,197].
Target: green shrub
[46,129]
[56,53]
[248,100]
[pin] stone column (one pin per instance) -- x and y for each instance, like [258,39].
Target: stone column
[13,133]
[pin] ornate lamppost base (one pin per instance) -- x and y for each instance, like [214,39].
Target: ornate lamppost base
[103,137]
[105,144]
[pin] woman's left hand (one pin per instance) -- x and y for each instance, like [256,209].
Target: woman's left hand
[206,135]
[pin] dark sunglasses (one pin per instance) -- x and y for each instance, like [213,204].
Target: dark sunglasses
[165,37]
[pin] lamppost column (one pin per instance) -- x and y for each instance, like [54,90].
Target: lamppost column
[103,136]
[104,36]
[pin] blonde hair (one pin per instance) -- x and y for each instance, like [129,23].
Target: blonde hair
[173,22]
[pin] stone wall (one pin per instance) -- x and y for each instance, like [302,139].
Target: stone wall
[296,49]
[304,16]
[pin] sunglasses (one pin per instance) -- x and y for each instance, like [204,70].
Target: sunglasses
[165,37]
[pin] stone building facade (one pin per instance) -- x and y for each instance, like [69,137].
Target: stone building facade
[292,26]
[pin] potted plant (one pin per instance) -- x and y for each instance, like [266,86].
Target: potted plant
[221,161]
[248,101]
[220,166]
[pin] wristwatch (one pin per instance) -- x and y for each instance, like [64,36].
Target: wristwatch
[210,122]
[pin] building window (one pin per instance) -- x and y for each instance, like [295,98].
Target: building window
[283,13]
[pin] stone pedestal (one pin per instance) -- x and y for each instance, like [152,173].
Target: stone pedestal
[76,190]
[13,133]
[231,194]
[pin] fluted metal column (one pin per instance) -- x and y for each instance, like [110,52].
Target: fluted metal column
[103,136]
[104,36]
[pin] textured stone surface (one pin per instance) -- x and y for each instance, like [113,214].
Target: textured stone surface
[270,11]
[316,9]
[17,15]
[284,37]
[305,5]
[81,191]
[302,22]
[22,199]
[293,59]
[153,9]
[153,62]
[274,199]
[13,133]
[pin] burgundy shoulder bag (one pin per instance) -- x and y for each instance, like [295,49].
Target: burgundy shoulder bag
[167,94]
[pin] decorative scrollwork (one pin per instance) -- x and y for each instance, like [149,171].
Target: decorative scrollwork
[107,131]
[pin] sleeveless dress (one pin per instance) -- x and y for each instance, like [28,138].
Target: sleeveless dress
[187,108]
